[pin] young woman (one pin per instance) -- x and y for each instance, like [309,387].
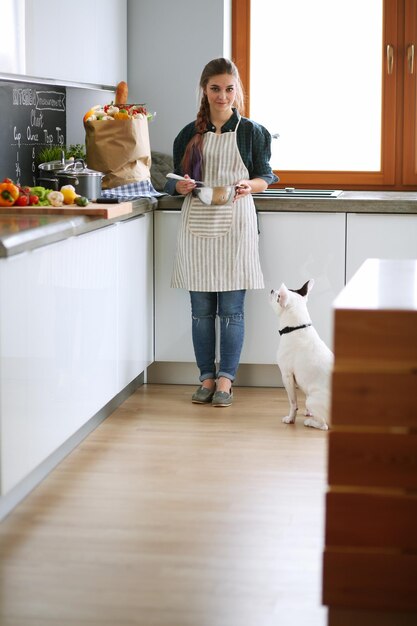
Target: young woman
[217,256]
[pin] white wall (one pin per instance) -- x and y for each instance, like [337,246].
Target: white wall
[168,45]
[79,101]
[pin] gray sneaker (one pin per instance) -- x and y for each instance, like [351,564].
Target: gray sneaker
[202,395]
[222,398]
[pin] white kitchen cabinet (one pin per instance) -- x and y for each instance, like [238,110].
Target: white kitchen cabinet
[294,247]
[172,306]
[135,297]
[58,346]
[76,327]
[387,236]
[78,41]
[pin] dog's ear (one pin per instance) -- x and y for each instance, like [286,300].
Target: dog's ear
[283,295]
[310,285]
[306,288]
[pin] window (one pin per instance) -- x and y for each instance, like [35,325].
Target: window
[336,81]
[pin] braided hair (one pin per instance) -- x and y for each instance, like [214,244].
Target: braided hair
[192,160]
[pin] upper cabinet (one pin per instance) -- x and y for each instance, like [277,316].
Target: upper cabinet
[77,41]
[12,40]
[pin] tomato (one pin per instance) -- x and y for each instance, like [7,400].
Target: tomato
[22,200]
[33,199]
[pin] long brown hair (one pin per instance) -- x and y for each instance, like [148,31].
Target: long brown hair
[193,157]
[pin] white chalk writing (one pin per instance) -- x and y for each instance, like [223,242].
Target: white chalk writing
[25,97]
[50,100]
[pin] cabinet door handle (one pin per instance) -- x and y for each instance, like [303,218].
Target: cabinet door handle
[410,58]
[390,58]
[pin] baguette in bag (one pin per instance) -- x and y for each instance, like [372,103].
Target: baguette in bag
[122,92]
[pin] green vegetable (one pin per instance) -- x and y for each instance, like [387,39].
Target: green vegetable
[39,191]
[81,201]
[42,194]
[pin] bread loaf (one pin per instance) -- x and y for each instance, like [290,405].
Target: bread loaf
[121,93]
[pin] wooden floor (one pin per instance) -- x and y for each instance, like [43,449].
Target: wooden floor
[174,514]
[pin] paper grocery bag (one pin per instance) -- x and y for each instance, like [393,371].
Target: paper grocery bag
[120,149]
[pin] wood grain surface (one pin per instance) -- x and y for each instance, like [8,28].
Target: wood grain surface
[370,559]
[174,514]
[93,208]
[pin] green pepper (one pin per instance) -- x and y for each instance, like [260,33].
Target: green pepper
[42,193]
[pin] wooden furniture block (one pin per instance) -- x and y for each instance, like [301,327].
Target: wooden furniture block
[372,459]
[371,520]
[372,398]
[370,580]
[387,338]
[370,557]
[349,617]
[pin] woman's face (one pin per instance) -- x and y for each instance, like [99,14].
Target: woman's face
[221,93]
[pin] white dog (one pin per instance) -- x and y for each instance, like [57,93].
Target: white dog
[303,358]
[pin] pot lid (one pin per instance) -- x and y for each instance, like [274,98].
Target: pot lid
[49,166]
[78,168]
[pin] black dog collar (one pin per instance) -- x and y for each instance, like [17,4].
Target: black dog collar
[289,329]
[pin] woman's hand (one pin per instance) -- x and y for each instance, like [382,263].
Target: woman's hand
[246,187]
[242,188]
[183,187]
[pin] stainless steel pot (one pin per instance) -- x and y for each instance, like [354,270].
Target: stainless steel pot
[47,172]
[87,182]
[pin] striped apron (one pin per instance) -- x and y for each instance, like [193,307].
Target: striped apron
[217,246]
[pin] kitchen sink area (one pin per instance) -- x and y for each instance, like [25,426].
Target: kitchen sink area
[292,192]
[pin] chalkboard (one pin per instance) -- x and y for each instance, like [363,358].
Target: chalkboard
[32,117]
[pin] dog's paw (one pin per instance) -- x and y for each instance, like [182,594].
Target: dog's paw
[288,419]
[312,423]
[308,413]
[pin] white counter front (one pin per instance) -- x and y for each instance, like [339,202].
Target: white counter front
[76,329]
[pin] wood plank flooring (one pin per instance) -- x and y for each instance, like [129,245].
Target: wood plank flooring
[174,514]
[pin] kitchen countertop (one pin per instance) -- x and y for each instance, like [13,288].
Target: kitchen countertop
[20,233]
[347,202]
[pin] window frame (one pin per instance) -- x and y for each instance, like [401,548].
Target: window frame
[398,118]
[409,169]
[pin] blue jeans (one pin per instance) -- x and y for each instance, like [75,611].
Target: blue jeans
[228,305]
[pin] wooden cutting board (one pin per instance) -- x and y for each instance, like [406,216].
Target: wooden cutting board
[107,211]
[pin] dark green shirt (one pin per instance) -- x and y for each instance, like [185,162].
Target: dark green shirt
[253,141]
